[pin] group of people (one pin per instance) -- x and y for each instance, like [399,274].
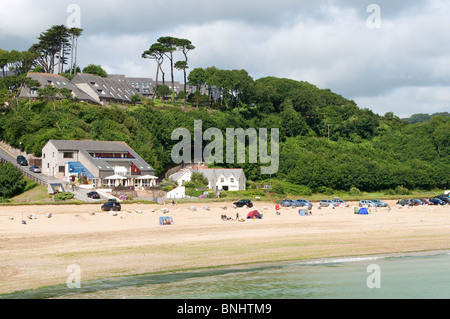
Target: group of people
[225,217]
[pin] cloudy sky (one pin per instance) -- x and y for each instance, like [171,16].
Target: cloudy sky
[392,57]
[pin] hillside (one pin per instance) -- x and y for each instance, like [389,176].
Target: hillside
[326,141]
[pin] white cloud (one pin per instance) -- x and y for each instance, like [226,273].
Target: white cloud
[404,101]
[326,43]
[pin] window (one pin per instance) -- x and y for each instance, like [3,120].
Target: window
[232,180]
[62,169]
[222,179]
[68,155]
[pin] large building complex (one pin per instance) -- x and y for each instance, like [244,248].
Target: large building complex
[98,162]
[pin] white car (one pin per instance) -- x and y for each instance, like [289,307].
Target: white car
[339,202]
[327,203]
[367,203]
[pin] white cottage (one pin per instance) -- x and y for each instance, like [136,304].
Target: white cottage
[227,179]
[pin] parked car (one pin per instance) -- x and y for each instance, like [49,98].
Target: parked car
[303,203]
[339,202]
[21,160]
[416,202]
[243,202]
[327,203]
[436,201]
[408,202]
[367,203]
[286,202]
[426,201]
[111,206]
[35,169]
[379,203]
[93,194]
[443,197]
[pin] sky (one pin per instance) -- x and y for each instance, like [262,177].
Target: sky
[387,56]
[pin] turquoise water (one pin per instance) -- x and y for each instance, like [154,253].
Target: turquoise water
[423,277]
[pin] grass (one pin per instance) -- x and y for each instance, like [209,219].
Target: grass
[36,194]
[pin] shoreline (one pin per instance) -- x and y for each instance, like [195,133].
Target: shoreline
[134,244]
[60,291]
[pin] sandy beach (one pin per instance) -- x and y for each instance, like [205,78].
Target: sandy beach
[39,252]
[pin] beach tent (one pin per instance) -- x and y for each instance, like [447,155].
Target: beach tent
[253,214]
[363,211]
[165,221]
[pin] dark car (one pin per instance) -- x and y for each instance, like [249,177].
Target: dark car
[417,202]
[21,160]
[287,202]
[443,197]
[243,202]
[93,194]
[111,206]
[436,201]
[405,202]
[35,169]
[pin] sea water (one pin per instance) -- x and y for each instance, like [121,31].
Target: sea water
[425,276]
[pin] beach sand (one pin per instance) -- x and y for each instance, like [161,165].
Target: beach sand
[39,252]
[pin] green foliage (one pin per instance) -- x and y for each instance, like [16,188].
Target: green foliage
[12,181]
[364,151]
[95,70]
[60,197]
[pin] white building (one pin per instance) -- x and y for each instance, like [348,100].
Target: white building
[100,162]
[227,179]
[179,192]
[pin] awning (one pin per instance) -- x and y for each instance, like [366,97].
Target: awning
[147,177]
[115,177]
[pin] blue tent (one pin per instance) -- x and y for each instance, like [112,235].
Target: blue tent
[165,221]
[363,211]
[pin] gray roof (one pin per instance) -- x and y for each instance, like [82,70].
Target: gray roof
[106,88]
[90,146]
[58,82]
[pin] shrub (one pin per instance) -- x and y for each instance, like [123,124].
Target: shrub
[400,190]
[325,190]
[354,191]
[60,197]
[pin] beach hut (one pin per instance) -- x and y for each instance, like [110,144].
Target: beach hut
[254,214]
[363,211]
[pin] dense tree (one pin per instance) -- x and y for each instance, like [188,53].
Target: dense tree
[51,46]
[95,70]
[12,182]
